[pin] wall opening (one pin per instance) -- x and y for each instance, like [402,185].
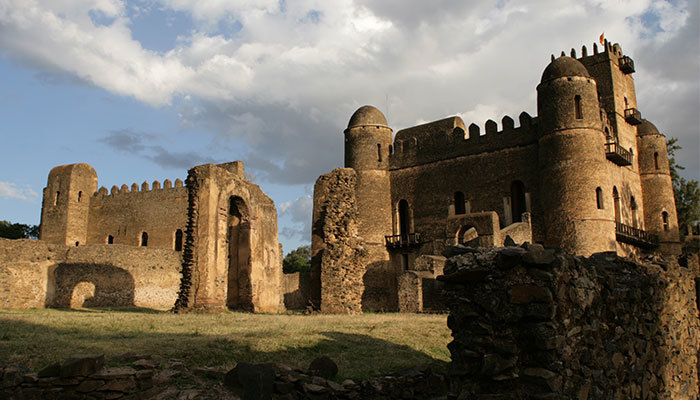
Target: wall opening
[80,196]
[110,239]
[56,198]
[144,239]
[459,203]
[379,152]
[656,160]
[77,244]
[599,198]
[517,201]
[466,234]
[664,220]
[404,261]
[404,223]
[238,235]
[616,203]
[633,208]
[178,240]
[577,107]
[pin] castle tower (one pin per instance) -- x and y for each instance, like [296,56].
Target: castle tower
[572,160]
[660,215]
[66,204]
[367,148]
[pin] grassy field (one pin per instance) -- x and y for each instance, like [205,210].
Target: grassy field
[362,346]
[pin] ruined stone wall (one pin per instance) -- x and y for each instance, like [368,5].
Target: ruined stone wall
[297,290]
[529,323]
[338,254]
[36,274]
[126,213]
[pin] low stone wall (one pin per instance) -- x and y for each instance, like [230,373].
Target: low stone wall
[529,323]
[36,274]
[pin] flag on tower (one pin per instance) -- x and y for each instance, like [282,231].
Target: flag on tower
[602,38]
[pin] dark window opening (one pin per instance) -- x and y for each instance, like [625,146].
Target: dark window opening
[577,107]
[404,261]
[55,200]
[77,244]
[459,203]
[144,239]
[403,219]
[616,203]
[517,200]
[178,240]
[80,196]
[656,160]
[664,219]
[110,239]
[599,198]
[379,152]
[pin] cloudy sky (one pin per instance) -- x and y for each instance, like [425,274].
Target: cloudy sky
[145,89]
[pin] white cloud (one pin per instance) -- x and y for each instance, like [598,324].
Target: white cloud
[286,84]
[299,211]
[10,190]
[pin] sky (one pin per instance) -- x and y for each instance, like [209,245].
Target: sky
[143,90]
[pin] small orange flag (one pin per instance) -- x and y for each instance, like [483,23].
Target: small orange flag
[602,38]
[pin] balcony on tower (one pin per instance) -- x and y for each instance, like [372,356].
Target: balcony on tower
[618,154]
[635,236]
[633,116]
[402,241]
[626,64]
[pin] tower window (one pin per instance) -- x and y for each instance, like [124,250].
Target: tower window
[379,152]
[616,203]
[80,196]
[656,160]
[633,207]
[577,107]
[664,220]
[599,198]
[517,201]
[55,199]
[110,239]
[144,239]
[178,240]
[459,203]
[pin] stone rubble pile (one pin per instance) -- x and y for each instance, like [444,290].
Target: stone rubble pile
[533,323]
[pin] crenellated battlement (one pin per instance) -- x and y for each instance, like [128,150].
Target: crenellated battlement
[144,188]
[449,138]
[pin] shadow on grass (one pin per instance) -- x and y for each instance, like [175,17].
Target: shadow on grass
[358,356]
[136,310]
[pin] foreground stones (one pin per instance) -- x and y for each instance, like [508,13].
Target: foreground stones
[150,377]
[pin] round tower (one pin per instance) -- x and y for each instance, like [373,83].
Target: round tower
[660,216]
[572,161]
[66,204]
[367,148]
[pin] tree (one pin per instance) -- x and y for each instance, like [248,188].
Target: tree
[9,230]
[298,260]
[686,192]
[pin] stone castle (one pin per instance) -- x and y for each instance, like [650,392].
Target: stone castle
[588,174]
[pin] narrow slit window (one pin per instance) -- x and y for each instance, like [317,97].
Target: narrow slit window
[599,198]
[80,196]
[144,239]
[664,220]
[55,199]
[633,208]
[656,160]
[178,240]
[459,203]
[577,107]
[110,239]
[379,152]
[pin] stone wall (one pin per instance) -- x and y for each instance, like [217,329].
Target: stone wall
[297,290]
[36,274]
[529,323]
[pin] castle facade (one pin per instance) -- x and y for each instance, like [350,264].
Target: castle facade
[587,174]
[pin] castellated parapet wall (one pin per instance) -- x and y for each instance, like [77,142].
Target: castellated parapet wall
[534,324]
[126,213]
[449,138]
[37,274]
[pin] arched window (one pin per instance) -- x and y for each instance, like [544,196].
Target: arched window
[55,199]
[577,107]
[517,200]
[110,239]
[404,223]
[656,160]
[664,220]
[633,207]
[459,203]
[144,239]
[379,152]
[178,240]
[599,198]
[616,203]
[80,196]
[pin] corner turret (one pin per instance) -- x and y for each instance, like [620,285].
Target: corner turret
[367,140]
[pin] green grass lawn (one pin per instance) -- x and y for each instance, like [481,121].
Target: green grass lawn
[362,346]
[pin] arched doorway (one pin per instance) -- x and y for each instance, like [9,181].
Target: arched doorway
[404,222]
[517,200]
[238,235]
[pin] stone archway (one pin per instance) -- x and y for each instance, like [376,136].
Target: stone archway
[238,293]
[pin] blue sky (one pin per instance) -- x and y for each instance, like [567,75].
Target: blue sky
[142,90]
